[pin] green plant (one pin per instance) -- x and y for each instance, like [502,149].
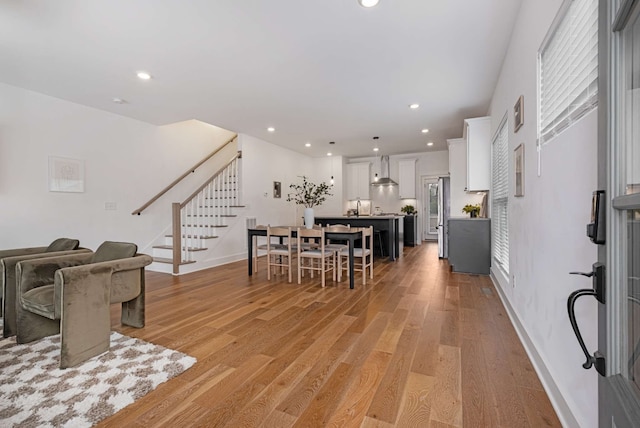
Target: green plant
[309,194]
[408,209]
[472,210]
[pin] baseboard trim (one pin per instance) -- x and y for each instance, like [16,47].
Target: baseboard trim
[555,396]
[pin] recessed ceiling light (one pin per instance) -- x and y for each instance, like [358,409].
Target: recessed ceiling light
[430,143]
[144,75]
[414,106]
[368,3]
[118,101]
[271,129]
[425,130]
[307,145]
[375,149]
[329,154]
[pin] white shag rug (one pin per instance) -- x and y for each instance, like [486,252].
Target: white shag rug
[35,392]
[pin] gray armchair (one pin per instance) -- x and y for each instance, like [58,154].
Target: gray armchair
[8,261]
[71,295]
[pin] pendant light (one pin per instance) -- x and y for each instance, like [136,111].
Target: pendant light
[331,181]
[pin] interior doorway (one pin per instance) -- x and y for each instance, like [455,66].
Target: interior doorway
[429,204]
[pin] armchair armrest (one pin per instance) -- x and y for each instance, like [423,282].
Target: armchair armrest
[96,283]
[8,283]
[38,272]
[21,251]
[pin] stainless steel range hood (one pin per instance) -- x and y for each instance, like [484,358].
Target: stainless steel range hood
[384,179]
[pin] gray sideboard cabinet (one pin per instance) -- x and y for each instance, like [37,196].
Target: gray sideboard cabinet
[470,245]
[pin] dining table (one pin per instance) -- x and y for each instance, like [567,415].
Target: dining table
[350,236]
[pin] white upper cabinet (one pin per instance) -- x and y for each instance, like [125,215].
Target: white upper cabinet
[477,133]
[358,180]
[407,178]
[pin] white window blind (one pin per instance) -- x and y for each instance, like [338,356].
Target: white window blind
[500,198]
[568,68]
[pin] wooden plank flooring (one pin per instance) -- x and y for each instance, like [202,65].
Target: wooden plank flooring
[418,346]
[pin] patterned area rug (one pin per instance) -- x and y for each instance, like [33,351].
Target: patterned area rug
[34,392]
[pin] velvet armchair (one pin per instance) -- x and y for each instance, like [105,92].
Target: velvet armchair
[8,261]
[71,295]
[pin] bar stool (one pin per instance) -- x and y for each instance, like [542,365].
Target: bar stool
[377,235]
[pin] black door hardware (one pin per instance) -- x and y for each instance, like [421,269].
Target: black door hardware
[598,291]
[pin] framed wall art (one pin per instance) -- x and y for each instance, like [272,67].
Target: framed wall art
[66,175]
[518,114]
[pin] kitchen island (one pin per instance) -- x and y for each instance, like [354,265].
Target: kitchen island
[389,226]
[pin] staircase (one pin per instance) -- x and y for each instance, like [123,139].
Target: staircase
[200,220]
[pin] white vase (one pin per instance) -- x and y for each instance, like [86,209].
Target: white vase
[308,218]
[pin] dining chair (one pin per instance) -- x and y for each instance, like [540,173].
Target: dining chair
[363,257]
[279,254]
[337,247]
[315,259]
[258,247]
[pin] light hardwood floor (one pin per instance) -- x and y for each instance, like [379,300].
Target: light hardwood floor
[418,346]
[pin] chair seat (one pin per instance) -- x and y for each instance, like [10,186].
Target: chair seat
[40,301]
[357,252]
[316,253]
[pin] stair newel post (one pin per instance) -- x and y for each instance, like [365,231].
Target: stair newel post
[190,228]
[176,232]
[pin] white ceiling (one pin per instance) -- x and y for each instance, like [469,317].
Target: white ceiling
[316,70]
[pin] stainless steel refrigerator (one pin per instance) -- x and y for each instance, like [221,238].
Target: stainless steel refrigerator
[443,216]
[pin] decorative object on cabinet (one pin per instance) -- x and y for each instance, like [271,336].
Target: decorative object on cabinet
[310,195]
[408,209]
[407,178]
[477,135]
[472,210]
[519,168]
[277,189]
[518,114]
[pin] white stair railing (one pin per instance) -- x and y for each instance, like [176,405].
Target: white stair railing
[196,219]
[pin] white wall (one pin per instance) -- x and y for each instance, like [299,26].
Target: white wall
[264,163]
[126,162]
[547,228]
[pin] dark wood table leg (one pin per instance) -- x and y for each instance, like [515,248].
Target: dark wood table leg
[250,255]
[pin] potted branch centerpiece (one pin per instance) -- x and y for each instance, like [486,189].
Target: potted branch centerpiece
[310,195]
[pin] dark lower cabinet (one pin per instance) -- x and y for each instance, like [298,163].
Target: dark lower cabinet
[410,230]
[470,245]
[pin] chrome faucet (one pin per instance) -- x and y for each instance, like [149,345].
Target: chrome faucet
[358,208]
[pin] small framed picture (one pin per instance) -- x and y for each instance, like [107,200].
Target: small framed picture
[518,114]
[66,175]
[519,168]
[277,189]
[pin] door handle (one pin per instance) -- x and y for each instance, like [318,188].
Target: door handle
[597,275]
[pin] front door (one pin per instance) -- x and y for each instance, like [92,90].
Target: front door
[619,174]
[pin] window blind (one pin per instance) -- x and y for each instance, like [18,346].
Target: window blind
[500,198]
[568,68]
